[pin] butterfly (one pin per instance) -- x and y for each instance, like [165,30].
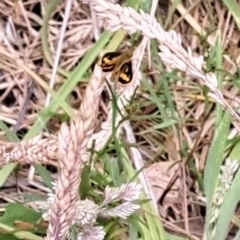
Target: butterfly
[120,64]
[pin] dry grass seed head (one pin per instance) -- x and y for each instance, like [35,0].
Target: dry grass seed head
[72,151]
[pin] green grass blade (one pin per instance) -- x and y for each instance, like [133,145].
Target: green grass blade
[227,209]
[214,161]
[9,133]
[235,153]
[6,170]
[165,124]
[155,98]
[234,9]
[218,49]
[44,174]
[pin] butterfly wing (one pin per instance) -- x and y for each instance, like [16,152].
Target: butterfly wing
[109,60]
[126,73]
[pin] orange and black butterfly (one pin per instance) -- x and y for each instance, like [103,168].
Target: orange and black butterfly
[120,64]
